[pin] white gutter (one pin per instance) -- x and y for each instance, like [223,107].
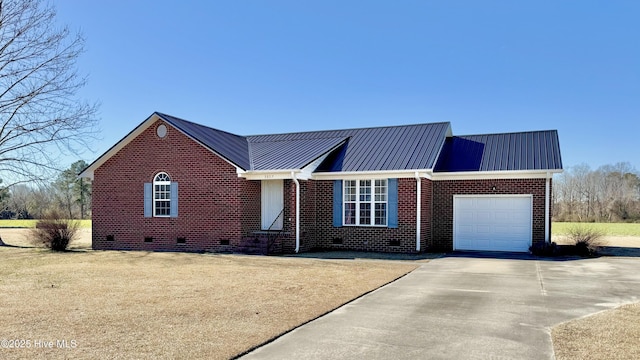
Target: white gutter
[418,208]
[547,204]
[351,175]
[295,180]
[501,174]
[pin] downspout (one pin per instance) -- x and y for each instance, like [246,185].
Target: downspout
[547,212]
[293,175]
[418,209]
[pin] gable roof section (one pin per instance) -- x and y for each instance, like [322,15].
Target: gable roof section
[522,151]
[231,147]
[409,147]
[267,153]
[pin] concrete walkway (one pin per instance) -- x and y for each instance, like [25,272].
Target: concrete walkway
[465,307]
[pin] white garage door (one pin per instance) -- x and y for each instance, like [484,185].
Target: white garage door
[493,223]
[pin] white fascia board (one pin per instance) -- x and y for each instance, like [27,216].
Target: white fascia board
[88,172]
[381,174]
[307,171]
[448,134]
[270,174]
[482,175]
[304,173]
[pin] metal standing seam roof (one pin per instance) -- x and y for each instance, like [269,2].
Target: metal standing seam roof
[405,147]
[534,150]
[232,147]
[289,154]
[368,149]
[392,148]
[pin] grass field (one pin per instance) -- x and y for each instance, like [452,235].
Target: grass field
[32,223]
[609,229]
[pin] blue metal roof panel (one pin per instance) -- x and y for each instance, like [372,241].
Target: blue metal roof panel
[369,149]
[536,150]
[391,148]
[289,154]
[232,147]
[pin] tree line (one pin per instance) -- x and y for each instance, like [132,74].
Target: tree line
[68,196]
[610,193]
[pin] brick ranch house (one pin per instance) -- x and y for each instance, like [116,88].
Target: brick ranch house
[174,185]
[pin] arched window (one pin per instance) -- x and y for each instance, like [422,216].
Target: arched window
[162,195]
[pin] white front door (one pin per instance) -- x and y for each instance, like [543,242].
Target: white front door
[272,204]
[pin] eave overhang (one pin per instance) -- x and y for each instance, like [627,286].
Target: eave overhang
[88,172]
[501,174]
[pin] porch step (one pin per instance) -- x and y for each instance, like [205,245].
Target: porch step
[258,244]
[252,245]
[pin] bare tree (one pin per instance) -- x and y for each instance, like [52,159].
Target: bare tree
[41,116]
[610,193]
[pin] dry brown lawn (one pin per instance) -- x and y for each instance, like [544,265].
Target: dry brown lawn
[613,334]
[110,304]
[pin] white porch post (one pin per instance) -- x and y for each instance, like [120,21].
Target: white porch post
[547,209]
[418,209]
[293,175]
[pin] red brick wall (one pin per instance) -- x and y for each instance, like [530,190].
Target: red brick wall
[214,204]
[371,238]
[443,191]
[425,216]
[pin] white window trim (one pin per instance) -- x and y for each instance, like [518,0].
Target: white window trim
[373,203]
[153,194]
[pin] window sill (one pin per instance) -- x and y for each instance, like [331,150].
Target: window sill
[366,226]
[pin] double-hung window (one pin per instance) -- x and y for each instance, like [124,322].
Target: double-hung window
[365,202]
[162,195]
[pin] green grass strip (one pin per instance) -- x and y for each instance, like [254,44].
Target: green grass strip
[611,229]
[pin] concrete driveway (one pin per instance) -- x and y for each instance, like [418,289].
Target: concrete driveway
[468,306]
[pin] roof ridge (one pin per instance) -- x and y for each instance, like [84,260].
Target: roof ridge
[251,139]
[350,129]
[509,133]
[163,115]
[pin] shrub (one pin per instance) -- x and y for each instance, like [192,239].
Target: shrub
[586,240]
[545,249]
[54,232]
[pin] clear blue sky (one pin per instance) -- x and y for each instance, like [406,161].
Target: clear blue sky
[269,66]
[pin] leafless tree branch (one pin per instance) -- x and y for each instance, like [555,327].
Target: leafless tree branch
[41,116]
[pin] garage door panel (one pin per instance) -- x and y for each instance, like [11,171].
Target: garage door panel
[504,231]
[482,217]
[501,223]
[481,203]
[467,216]
[503,216]
[520,217]
[482,229]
